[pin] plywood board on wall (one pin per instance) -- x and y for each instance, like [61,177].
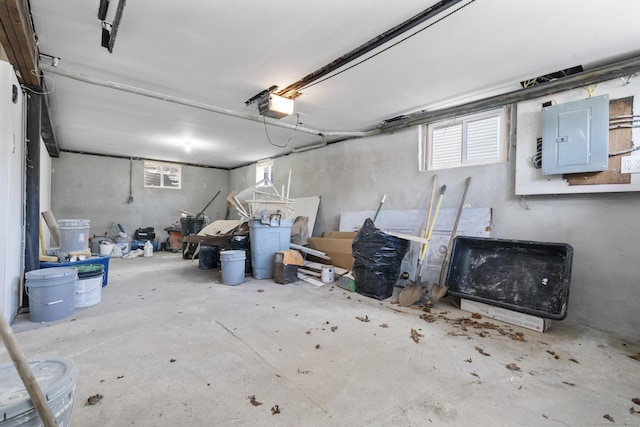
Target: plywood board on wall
[619,140]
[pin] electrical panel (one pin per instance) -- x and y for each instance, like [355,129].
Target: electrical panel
[575,136]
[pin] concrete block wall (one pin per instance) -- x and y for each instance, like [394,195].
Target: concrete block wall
[97,188]
[353,175]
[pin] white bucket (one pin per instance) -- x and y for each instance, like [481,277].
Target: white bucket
[74,234]
[232,267]
[106,248]
[57,379]
[124,244]
[89,290]
[328,274]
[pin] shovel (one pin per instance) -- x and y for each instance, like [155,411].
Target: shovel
[439,289]
[413,291]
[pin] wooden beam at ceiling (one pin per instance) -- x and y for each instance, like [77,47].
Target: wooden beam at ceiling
[4,40]
[21,19]
[18,39]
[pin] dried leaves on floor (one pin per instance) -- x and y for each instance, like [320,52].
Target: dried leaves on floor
[636,400]
[513,367]
[635,356]
[384,325]
[92,400]
[363,319]
[275,410]
[465,323]
[482,352]
[253,401]
[608,417]
[415,335]
[568,383]
[553,353]
[427,317]
[334,328]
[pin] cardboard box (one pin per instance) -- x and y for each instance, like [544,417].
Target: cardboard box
[337,245]
[340,234]
[519,319]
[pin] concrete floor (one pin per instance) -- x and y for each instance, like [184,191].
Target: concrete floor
[169,345]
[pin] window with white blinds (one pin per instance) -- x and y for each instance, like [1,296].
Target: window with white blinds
[464,141]
[162,175]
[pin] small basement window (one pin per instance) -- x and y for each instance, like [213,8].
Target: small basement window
[264,170]
[476,139]
[162,175]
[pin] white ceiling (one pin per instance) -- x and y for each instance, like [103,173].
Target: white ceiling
[222,53]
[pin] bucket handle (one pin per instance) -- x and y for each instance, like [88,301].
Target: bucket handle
[48,303]
[275,217]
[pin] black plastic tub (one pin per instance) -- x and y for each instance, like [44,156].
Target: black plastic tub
[528,277]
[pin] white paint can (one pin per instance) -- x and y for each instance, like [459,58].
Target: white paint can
[328,274]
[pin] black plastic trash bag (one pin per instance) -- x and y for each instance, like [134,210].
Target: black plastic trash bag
[377,258]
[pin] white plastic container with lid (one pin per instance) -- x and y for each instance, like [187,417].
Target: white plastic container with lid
[148,249]
[57,379]
[74,234]
[51,293]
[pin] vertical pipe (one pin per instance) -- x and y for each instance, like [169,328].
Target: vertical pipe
[32,203]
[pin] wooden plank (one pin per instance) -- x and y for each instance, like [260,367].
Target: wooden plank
[318,267]
[309,272]
[311,280]
[619,140]
[13,38]
[19,39]
[21,21]
[4,40]
[474,221]
[409,237]
[3,54]
[310,251]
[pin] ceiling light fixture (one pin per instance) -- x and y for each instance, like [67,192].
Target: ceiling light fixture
[187,147]
[275,106]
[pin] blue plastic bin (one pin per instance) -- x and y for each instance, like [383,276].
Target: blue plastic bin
[93,259]
[265,241]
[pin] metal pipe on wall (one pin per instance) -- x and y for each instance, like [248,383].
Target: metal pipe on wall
[623,68]
[202,106]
